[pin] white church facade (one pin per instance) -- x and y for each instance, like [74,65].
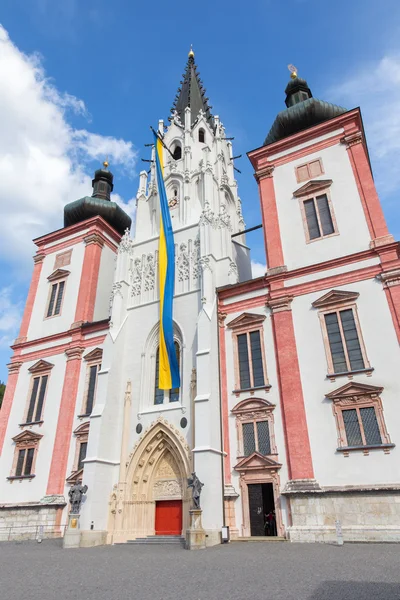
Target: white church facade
[287,406]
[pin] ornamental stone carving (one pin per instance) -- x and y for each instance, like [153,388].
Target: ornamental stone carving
[183,263]
[170,488]
[137,277]
[149,279]
[125,244]
[116,291]
[224,219]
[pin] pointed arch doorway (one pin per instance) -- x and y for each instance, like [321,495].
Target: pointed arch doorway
[153,499]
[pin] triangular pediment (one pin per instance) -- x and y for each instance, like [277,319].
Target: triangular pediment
[94,355]
[354,389]
[27,436]
[58,274]
[255,462]
[40,366]
[252,404]
[313,186]
[335,297]
[246,320]
[75,477]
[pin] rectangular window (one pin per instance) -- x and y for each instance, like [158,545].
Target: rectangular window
[256,438]
[56,296]
[38,392]
[251,367]
[318,217]
[24,462]
[82,455]
[344,344]
[93,370]
[361,427]
[309,170]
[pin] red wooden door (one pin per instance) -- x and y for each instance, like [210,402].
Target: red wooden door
[169,517]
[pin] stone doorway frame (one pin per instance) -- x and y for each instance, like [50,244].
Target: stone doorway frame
[133,501]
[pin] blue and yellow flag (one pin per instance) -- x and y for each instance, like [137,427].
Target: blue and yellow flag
[168,377]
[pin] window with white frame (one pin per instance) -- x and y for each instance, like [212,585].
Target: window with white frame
[26,447]
[344,345]
[317,210]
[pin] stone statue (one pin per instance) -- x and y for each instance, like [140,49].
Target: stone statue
[196,485]
[75,496]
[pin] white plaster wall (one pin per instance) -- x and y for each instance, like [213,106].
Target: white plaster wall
[40,326]
[271,396]
[34,490]
[331,467]
[104,284]
[346,204]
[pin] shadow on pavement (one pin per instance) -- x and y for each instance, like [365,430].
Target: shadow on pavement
[356,590]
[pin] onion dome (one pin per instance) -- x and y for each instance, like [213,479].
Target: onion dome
[99,204]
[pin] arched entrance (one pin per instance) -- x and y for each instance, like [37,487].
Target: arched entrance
[154,499]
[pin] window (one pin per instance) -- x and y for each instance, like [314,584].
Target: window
[255,427]
[318,217]
[26,445]
[40,372]
[54,306]
[342,333]
[82,454]
[202,136]
[309,170]
[250,360]
[256,438]
[359,416]
[161,396]
[177,153]
[37,398]
[63,259]
[248,342]
[93,360]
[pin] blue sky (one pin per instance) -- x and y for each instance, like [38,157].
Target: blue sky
[80,79]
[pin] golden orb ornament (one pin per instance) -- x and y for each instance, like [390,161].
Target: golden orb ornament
[191,53]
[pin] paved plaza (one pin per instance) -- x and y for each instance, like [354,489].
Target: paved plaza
[258,571]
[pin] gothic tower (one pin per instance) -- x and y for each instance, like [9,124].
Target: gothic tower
[144,442]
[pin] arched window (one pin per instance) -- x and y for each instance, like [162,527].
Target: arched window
[177,153]
[202,136]
[164,396]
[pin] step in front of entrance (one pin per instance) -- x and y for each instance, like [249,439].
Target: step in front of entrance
[260,538]
[159,539]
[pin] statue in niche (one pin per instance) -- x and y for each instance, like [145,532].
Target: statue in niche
[75,496]
[196,485]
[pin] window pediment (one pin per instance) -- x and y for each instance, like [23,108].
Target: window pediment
[58,274]
[255,462]
[40,367]
[27,437]
[246,321]
[251,405]
[312,187]
[354,390]
[82,429]
[75,477]
[94,355]
[335,297]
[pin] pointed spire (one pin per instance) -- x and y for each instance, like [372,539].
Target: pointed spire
[191,92]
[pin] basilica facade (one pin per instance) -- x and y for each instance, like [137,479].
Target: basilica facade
[287,409]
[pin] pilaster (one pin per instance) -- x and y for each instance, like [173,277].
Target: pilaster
[269,211]
[13,372]
[26,319]
[89,278]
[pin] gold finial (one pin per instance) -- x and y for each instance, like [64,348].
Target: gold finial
[293,71]
[106,163]
[191,53]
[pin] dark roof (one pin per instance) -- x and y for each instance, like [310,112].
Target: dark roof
[99,204]
[300,114]
[192,93]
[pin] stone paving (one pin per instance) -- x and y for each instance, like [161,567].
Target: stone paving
[257,571]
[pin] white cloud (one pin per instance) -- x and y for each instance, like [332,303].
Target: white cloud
[376,89]
[258,269]
[10,317]
[43,159]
